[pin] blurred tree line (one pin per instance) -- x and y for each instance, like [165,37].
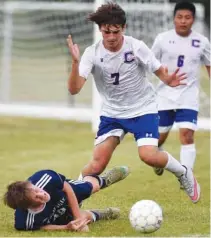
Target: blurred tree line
[206,4]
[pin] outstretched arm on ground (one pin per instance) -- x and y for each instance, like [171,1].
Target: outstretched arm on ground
[76,225]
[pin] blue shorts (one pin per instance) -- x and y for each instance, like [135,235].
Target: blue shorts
[144,128]
[82,189]
[185,118]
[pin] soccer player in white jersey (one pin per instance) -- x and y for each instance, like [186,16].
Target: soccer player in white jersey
[119,64]
[184,48]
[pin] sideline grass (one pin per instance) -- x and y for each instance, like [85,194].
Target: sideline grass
[27,145]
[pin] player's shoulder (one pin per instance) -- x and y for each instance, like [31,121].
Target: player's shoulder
[199,36]
[43,177]
[135,43]
[132,40]
[21,216]
[91,50]
[43,172]
[27,220]
[165,34]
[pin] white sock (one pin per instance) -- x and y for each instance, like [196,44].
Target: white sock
[188,155]
[94,218]
[174,166]
[80,176]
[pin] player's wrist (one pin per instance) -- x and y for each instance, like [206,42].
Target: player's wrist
[166,79]
[76,62]
[68,227]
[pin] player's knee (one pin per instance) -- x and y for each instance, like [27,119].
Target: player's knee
[148,156]
[97,166]
[94,181]
[187,137]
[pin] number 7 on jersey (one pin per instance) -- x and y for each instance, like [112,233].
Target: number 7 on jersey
[116,78]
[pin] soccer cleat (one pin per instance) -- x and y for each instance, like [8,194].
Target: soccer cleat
[115,175]
[158,171]
[190,185]
[109,213]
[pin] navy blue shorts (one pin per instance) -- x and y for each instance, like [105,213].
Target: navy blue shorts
[185,118]
[144,128]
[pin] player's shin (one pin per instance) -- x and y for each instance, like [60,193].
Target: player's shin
[109,213]
[173,165]
[159,171]
[188,155]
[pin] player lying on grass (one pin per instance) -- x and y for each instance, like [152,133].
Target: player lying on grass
[49,201]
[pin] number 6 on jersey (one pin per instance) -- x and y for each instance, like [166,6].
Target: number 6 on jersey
[180,61]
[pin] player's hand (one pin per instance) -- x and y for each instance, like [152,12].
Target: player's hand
[84,229]
[175,79]
[74,50]
[79,224]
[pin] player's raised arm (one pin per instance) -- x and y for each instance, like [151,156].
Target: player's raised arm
[173,80]
[75,81]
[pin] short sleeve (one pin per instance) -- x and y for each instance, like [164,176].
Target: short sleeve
[48,179]
[205,59]
[146,57]
[156,48]
[25,221]
[86,62]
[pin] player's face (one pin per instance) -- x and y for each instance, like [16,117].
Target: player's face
[183,22]
[38,196]
[112,36]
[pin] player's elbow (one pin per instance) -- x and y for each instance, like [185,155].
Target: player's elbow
[18,228]
[75,84]
[75,87]
[73,91]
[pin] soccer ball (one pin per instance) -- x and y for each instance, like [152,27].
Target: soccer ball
[146,216]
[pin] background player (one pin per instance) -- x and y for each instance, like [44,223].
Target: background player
[49,201]
[181,47]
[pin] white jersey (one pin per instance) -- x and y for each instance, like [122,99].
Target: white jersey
[188,53]
[120,77]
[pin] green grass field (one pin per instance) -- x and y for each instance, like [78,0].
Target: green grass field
[27,145]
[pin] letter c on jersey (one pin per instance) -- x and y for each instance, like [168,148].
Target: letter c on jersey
[129,57]
[196,43]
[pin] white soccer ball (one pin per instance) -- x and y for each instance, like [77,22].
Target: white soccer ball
[146,216]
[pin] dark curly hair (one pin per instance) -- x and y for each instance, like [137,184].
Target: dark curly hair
[109,13]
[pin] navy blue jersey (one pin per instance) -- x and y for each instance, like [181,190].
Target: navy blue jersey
[56,210]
